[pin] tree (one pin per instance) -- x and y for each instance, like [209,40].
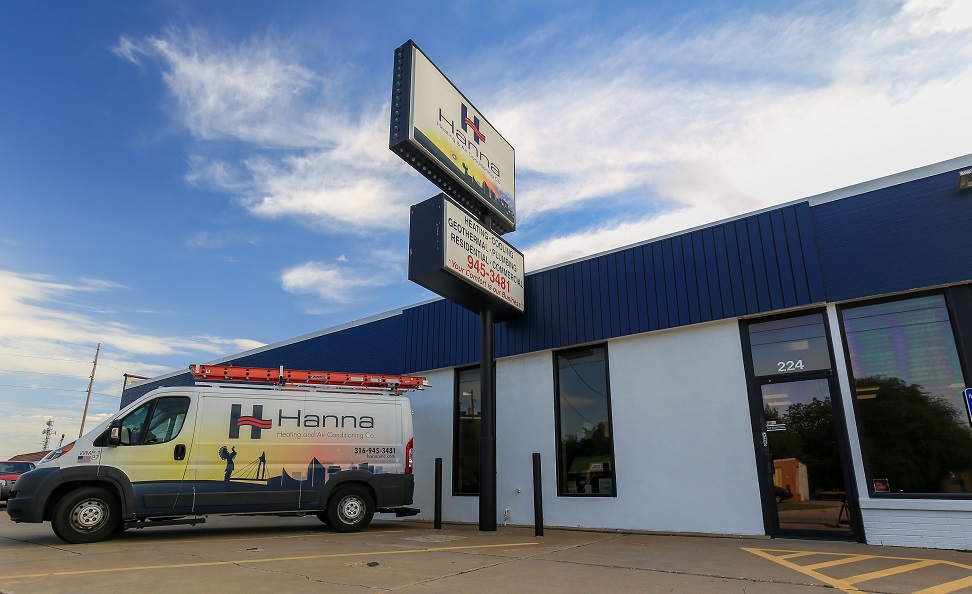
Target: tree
[914,439]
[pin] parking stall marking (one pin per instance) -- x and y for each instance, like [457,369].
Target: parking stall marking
[267,560]
[846,584]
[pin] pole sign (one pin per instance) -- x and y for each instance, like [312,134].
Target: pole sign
[439,132]
[454,255]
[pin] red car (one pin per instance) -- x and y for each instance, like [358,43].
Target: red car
[9,473]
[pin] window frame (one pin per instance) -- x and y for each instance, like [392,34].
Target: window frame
[456,492]
[152,406]
[560,471]
[959,337]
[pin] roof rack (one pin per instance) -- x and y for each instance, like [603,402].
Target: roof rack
[354,382]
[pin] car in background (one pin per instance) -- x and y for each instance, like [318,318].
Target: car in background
[782,494]
[10,471]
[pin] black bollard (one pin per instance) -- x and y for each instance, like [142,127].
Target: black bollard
[537,497]
[438,494]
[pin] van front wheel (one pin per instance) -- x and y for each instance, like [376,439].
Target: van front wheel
[86,515]
[350,508]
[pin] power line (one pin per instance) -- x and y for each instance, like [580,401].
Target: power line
[45,358]
[50,340]
[57,390]
[61,359]
[45,373]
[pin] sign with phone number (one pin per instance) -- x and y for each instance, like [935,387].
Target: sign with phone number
[482,258]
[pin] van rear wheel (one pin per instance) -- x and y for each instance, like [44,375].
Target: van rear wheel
[350,508]
[86,515]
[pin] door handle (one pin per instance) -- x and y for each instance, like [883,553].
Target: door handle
[180,452]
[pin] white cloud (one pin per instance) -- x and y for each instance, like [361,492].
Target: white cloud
[47,347]
[335,283]
[704,121]
[327,167]
[734,117]
[217,240]
[250,92]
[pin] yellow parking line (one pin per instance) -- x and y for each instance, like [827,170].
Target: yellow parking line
[847,584]
[891,571]
[129,542]
[835,562]
[126,542]
[833,582]
[948,587]
[795,555]
[268,560]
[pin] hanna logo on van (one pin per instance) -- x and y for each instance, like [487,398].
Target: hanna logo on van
[255,421]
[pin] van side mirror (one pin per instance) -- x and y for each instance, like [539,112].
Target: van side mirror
[114,433]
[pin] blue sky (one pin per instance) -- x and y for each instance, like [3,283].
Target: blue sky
[185,180]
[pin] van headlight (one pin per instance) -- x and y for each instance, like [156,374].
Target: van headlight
[55,454]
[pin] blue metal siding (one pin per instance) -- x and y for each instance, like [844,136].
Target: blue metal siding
[758,264]
[907,236]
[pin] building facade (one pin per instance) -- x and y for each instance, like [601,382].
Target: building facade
[799,371]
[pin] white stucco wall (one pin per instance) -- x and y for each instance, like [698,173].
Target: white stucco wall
[683,439]
[683,436]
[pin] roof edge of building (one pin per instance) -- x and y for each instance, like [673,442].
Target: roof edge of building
[892,180]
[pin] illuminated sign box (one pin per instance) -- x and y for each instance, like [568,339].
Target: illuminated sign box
[454,255]
[439,132]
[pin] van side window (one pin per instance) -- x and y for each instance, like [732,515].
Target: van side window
[156,421]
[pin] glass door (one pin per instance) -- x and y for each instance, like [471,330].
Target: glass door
[804,460]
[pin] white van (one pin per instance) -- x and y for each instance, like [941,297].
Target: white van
[178,454]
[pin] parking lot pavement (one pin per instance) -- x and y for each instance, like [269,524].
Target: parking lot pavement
[265,554]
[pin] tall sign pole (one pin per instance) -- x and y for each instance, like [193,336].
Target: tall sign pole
[487,439]
[487,435]
[455,248]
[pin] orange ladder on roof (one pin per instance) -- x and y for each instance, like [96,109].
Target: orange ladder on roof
[396,384]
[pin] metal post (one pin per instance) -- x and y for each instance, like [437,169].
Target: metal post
[487,439]
[438,494]
[537,497]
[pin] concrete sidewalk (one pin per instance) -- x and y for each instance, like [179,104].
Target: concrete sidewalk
[269,554]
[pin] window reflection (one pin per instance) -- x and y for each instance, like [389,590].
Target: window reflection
[909,386]
[467,432]
[790,345]
[586,462]
[167,418]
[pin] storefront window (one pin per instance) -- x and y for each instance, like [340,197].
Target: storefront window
[915,430]
[586,456]
[465,477]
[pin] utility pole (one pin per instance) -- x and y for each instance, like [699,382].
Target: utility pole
[87,401]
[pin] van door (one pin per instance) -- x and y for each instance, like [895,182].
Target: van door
[155,441]
[248,454]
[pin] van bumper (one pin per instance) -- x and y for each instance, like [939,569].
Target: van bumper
[30,494]
[394,490]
